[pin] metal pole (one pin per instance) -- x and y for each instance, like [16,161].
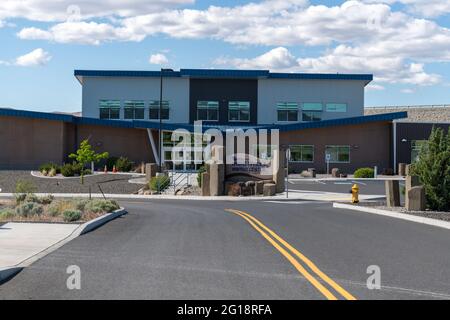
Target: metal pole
[160,125]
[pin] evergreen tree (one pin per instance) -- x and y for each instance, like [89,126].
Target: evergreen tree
[433,169]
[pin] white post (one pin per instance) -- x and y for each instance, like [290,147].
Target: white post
[375,172]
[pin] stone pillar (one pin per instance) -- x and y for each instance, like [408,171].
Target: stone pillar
[150,170]
[410,182]
[402,169]
[259,188]
[217,154]
[416,199]
[392,193]
[205,184]
[216,179]
[335,173]
[407,170]
[279,174]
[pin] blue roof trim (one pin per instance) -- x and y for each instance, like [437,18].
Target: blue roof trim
[219,73]
[190,127]
[322,76]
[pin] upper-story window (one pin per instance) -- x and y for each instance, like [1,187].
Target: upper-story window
[287,111]
[109,109]
[312,111]
[154,110]
[208,110]
[336,107]
[239,111]
[134,109]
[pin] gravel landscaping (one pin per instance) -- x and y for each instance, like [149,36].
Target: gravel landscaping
[110,183]
[445,216]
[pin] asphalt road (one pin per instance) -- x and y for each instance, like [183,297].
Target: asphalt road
[197,250]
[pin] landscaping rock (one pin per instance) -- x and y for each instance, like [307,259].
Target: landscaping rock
[392,193]
[416,199]
[259,188]
[205,184]
[335,173]
[312,172]
[251,186]
[269,189]
[150,170]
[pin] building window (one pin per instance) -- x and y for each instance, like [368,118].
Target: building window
[134,109]
[154,110]
[336,107]
[302,153]
[239,111]
[287,111]
[109,109]
[338,153]
[416,146]
[312,112]
[208,110]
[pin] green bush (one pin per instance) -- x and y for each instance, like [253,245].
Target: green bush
[433,170]
[199,175]
[123,164]
[111,162]
[7,213]
[161,182]
[47,167]
[71,170]
[98,206]
[56,208]
[364,173]
[28,209]
[72,215]
[80,204]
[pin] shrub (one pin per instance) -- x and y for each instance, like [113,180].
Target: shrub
[47,167]
[52,172]
[56,208]
[98,206]
[111,162]
[46,199]
[7,213]
[80,204]
[161,182]
[433,170]
[199,175]
[31,197]
[364,173]
[72,215]
[28,209]
[71,170]
[124,164]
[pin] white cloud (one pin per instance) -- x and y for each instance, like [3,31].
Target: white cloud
[426,8]
[158,58]
[374,87]
[63,10]
[339,60]
[37,57]
[408,91]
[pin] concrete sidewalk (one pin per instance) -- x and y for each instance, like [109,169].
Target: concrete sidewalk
[21,241]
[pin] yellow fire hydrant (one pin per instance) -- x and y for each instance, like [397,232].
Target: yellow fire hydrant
[355,193]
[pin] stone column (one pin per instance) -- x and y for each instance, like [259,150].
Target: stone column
[416,199]
[216,176]
[279,174]
[410,182]
[392,193]
[150,170]
[205,184]
[402,169]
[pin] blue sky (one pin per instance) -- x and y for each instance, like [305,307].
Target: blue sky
[404,43]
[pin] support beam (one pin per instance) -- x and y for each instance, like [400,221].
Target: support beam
[153,144]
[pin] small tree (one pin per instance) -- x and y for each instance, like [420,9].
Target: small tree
[85,155]
[433,169]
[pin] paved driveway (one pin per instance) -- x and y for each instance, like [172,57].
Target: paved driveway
[197,250]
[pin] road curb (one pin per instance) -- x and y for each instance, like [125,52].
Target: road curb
[397,215]
[9,272]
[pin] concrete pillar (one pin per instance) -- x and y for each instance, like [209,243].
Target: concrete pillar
[416,199]
[150,170]
[205,184]
[269,189]
[216,179]
[392,193]
[410,182]
[279,174]
[402,169]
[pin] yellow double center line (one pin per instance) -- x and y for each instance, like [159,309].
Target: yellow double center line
[271,236]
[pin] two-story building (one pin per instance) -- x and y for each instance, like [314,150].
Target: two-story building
[124,111]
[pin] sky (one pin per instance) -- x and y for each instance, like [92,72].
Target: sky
[405,44]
